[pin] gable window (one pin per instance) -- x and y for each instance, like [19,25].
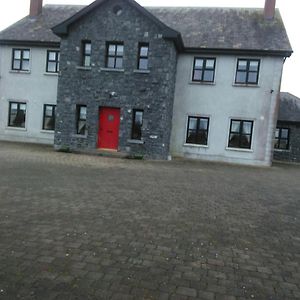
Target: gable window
[52,61]
[240,135]
[282,138]
[204,69]
[81,119]
[197,130]
[247,71]
[143,56]
[17,114]
[114,56]
[20,59]
[49,117]
[137,123]
[86,52]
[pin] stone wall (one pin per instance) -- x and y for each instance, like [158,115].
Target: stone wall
[152,92]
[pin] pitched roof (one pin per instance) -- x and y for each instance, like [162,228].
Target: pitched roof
[289,109]
[201,28]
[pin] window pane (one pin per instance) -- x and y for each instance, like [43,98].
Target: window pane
[143,65]
[137,125]
[26,54]
[82,113]
[17,65]
[277,133]
[23,107]
[197,75]
[49,123]
[87,61]
[48,111]
[283,144]
[235,126]
[204,124]
[88,48]
[14,106]
[201,137]
[193,123]
[253,66]
[52,55]
[242,65]
[245,141]
[208,76]
[17,54]
[111,62]
[25,65]
[247,127]
[111,49]
[241,77]
[252,77]
[81,127]
[284,133]
[119,62]
[234,140]
[210,63]
[198,63]
[51,67]
[138,117]
[120,50]
[144,51]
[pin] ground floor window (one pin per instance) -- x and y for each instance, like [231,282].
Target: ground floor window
[137,123]
[81,119]
[197,130]
[17,114]
[240,135]
[282,138]
[49,117]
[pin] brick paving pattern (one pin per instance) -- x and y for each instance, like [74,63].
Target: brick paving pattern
[85,227]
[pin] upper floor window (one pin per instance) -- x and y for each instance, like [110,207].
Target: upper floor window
[137,123]
[20,59]
[86,52]
[197,130]
[204,69]
[240,135]
[282,138]
[49,117]
[81,119]
[247,71]
[114,55]
[143,56]
[52,61]
[17,114]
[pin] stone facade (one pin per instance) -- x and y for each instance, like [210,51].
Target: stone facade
[293,153]
[152,91]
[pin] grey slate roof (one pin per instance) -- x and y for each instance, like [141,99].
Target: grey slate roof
[206,28]
[289,109]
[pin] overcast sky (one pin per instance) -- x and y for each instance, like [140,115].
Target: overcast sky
[12,10]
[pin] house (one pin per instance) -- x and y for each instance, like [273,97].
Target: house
[287,136]
[155,81]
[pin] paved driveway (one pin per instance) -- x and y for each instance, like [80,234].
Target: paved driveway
[86,227]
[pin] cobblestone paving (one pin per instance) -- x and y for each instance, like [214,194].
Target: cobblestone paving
[86,227]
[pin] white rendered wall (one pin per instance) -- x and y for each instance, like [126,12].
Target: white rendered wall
[222,101]
[36,88]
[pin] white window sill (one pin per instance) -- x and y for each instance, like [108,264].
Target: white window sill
[239,149]
[47,131]
[82,68]
[282,150]
[245,85]
[15,128]
[195,145]
[201,82]
[141,71]
[79,136]
[51,74]
[139,142]
[19,72]
[112,70]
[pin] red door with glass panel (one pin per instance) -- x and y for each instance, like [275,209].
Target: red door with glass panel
[109,123]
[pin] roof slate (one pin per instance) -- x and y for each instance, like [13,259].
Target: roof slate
[289,110]
[205,28]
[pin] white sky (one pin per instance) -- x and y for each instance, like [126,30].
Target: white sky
[12,10]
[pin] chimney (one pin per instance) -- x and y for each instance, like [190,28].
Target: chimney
[35,7]
[269,12]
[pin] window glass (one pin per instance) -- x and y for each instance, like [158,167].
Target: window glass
[137,124]
[204,69]
[197,131]
[240,135]
[17,114]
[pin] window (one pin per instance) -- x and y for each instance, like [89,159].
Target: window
[81,119]
[247,71]
[114,57]
[49,117]
[282,138]
[52,61]
[17,114]
[197,130]
[20,59]
[86,49]
[240,134]
[204,69]
[137,124]
[143,56]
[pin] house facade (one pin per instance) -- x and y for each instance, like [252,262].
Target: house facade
[287,135]
[153,82]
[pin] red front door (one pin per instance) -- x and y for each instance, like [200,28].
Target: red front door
[109,123]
